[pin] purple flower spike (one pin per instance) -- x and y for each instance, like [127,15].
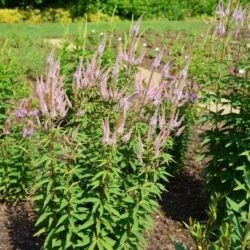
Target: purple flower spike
[126,137]
[185,70]
[20,113]
[27,131]
[106,131]
[140,149]
[166,68]
[221,30]
[174,123]
[220,9]
[50,59]
[112,140]
[238,15]
[102,46]
[153,120]
[120,129]
[162,119]
[78,73]
[157,60]
[180,130]
[159,142]
[135,29]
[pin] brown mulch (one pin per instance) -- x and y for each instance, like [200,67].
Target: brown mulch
[17,227]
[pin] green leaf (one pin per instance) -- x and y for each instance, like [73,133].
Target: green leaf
[41,231]
[233,205]
[93,244]
[106,243]
[43,217]
[62,219]
[88,223]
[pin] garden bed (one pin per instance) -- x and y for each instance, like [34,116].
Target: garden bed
[185,198]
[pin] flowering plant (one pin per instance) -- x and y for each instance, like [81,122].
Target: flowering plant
[102,143]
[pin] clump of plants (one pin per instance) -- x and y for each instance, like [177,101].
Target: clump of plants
[227,140]
[101,145]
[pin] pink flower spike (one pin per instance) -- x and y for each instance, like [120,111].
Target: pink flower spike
[106,131]
[126,137]
[221,30]
[166,68]
[78,73]
[157,60]
[50,59]
[162,119]
[220,9]
[153,120]
[102,46]
[140,149]
[135,29]
[27,131]
[238,14]
[180,130]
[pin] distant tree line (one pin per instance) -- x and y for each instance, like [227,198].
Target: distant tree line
[171,9]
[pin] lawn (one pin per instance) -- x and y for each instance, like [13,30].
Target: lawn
[56,30]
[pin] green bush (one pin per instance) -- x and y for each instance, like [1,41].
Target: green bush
[227,141]
[99,142]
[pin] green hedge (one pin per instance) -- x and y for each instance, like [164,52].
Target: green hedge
[171,9]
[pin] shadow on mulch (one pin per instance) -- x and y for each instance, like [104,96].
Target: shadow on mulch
[21,221]
[185,198]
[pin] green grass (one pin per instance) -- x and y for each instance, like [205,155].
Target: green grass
[56,30]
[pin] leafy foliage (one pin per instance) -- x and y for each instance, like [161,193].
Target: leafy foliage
[227,141]
[101,140]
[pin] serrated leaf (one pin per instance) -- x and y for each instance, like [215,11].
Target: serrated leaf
[43,217]
[62,219]
[88,223]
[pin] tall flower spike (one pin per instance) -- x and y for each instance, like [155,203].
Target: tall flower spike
[220,9]
[78,74]
[162,119]
[166,69]
[157,60]
[126,137]
[153,120]
[28,130]
[238,14]
[159,142]
[135,29]
[221,30]
[50,59]
[180,130]
[185,70]
[102,46]
[121,124]
[140,149]
[106,131]
[174,123]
